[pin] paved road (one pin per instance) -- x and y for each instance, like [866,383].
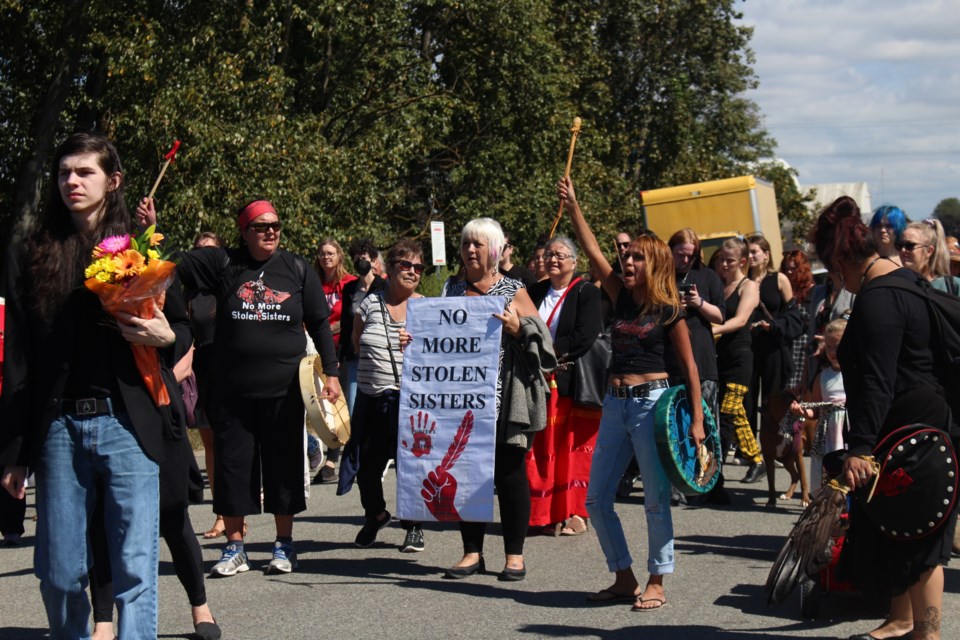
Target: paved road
[341,591]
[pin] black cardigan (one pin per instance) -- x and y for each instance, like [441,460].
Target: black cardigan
[37,365]
[578,326]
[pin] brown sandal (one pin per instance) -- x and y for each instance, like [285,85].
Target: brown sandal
[218,529]
[575,526]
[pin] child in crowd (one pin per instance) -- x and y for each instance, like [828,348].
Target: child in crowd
[827,388]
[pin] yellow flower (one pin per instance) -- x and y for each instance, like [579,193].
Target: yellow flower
[128,264]
[103,276]
[156,239]
[153,254]
[103,265]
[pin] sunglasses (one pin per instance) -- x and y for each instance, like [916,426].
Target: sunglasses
[909,246]
[623,245]
[261,227]
[406,265]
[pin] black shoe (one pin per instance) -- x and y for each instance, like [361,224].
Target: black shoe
[456,573]
[718,495]
[867,636]
[207,631]
[512,575]
[756,471]
[368,534]
[413,542]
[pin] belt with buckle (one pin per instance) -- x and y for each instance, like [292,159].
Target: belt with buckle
[638,390]
[86,407]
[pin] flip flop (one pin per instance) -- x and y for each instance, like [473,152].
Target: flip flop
[638,605]
[607,596]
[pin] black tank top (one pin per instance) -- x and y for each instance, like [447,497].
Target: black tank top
[739,340]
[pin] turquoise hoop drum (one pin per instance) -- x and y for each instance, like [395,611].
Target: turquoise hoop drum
[690,470]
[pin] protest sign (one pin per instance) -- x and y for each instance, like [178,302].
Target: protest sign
[448,406]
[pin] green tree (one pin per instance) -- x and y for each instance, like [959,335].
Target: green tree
[948,212]
[372,118]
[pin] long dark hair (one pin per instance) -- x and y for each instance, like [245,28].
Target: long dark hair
[56,252]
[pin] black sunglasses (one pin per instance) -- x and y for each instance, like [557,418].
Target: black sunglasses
[623,245]
[261,227]
[406,265]
[909,246]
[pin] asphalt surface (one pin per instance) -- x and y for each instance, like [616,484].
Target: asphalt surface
[341,591]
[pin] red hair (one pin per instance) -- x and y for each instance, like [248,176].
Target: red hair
[688,236]
[840,235]
[660,278]
[801,280]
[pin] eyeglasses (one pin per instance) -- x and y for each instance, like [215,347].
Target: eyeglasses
[909,246]
[328,255]
[261,227]
[623,245]
[406,265]
[550,255]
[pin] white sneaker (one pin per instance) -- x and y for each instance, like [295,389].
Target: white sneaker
[232,562]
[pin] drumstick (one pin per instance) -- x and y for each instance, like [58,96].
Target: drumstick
[575,131]
[169,159]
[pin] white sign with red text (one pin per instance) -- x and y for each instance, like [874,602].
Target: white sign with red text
[448,406]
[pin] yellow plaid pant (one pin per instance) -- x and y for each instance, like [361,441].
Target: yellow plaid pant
[733,412]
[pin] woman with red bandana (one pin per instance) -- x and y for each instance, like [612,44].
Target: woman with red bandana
[265,297]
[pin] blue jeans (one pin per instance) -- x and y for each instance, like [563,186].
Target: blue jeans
[77,453]
[350,389]
[627,429]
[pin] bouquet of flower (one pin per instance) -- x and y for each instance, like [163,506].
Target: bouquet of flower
[129,274]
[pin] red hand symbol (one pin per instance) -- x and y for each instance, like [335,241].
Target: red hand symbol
[439,491]
[440,487]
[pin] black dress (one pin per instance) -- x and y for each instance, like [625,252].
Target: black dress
[772,360]
[888,372]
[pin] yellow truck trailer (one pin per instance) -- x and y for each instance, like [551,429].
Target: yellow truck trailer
[716,210]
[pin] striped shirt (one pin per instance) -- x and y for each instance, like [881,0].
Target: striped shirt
[375,372]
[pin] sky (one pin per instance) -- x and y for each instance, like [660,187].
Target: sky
[863,91]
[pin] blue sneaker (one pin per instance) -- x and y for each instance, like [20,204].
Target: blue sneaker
[284,558]
[232,562]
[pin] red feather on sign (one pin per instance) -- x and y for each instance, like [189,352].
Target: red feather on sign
[460,439]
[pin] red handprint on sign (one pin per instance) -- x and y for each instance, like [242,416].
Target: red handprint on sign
[440,487]
[422,435]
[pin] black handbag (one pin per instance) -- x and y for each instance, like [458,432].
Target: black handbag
[590,373]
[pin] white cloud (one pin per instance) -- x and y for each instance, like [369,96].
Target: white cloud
[863,91]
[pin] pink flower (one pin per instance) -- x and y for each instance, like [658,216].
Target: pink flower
[112,245]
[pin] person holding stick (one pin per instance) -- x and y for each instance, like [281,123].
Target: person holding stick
[647,316]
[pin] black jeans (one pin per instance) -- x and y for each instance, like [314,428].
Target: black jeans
[378,444]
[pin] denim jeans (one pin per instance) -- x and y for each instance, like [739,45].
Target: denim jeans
[77,453]
[350,389]
[627,429]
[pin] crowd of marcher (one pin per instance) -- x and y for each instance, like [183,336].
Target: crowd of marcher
[113,468]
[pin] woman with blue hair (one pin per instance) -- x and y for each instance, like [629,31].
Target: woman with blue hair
[887,226]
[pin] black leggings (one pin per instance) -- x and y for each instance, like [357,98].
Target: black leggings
[177,532]
[12,512]
[513,494]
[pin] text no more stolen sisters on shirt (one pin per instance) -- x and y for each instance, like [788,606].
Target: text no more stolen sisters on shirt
[448,403]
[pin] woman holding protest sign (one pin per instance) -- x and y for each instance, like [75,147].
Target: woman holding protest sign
[646,318]
[481,244]
[379,337]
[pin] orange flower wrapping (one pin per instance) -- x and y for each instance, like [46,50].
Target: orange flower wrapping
[135,297]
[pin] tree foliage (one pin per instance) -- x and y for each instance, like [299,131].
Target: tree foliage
[372,118]
[948,212]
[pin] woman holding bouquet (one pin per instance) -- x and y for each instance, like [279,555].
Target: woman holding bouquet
[265,298]
[74,407]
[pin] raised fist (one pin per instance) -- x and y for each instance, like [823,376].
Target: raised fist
[439,491]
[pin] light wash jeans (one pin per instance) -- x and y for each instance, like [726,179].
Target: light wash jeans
[350,389]
[627,429]
[77,452]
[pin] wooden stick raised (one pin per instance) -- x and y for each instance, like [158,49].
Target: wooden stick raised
[169,159]
[575,131]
